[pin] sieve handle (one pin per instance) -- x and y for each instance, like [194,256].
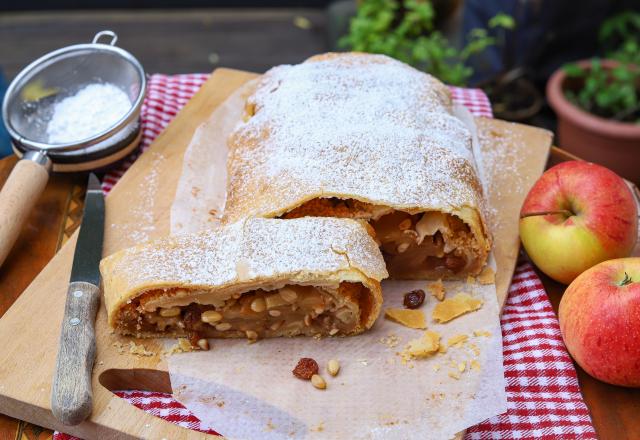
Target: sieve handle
[19,194]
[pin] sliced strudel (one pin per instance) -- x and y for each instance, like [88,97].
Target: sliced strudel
[257,278]
[365,137]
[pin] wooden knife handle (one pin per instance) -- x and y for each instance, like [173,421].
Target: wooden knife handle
[18,196]
[71,392]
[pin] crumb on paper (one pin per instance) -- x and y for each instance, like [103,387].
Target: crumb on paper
[436,367]
[487,276]
[423,347]
[442,349]
[182,346]
[437,289]
[195,190]
[457,340]
[485,333]
[475,349]
[475,365]
[407,317]
[462,366]
[471,279]
[390,341]
[270,426]
[213,212]
[318,428]
[454,375]
[451,308]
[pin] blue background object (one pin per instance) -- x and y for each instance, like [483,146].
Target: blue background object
[5,142]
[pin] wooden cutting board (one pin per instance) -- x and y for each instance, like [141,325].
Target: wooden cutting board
[138,208]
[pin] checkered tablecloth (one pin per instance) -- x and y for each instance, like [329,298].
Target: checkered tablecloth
[543,395]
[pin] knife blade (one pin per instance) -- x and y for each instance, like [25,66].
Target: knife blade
[71,396]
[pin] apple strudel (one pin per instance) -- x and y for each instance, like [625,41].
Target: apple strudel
[366,137]
[256,278]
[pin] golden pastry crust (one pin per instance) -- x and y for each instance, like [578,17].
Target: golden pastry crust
[357,127]
[337,257]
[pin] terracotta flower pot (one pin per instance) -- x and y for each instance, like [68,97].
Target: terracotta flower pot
[613,144]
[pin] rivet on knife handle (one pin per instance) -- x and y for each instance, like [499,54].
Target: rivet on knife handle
[71,397]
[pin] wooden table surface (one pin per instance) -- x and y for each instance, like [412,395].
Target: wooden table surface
[615,410]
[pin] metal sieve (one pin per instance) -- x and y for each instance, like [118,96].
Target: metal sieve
[28,106]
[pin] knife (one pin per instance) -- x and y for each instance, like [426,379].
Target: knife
[71,397]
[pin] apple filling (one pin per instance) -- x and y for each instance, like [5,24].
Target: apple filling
[292,310]
[415,246]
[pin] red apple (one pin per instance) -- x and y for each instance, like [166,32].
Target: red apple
[600,321]
[575,216]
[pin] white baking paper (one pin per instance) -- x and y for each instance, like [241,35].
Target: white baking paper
[248,391]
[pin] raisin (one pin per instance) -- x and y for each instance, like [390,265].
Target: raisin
[191,317]
[414,299]
[306,368]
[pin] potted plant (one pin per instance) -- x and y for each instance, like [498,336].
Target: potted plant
[597,102]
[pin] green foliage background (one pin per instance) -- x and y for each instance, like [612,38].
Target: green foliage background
[405,30]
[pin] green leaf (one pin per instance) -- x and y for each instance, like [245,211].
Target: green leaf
[502,20]
[573,70]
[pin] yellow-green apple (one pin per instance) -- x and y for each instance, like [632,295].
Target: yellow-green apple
[600,321]
[575,216]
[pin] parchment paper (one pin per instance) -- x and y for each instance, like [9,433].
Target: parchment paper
[248,391]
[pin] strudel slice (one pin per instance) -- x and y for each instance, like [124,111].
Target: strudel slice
[365,137]
[257,278]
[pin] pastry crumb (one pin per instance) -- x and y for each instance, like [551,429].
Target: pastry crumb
[437,290]
[454,375]
[462,366]
[487,276]
[484,333]
[451,308]
[133,348]
[390,341]
[182,346]
[423,347]
[471,279]
[407,317]
[457,340]
[475,365]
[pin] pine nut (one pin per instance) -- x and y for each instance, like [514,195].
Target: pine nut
[276,325]
[275,313]
[211,316]
[318,382]
[258,305]
[224,326]
[203,344]
[274,300]
[307,320]
[251,334]
[333,367]
[333,331]
[170,312]
[289,295]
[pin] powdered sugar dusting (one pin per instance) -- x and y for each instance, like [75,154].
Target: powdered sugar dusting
[357,124]
[250,250]
[141,215]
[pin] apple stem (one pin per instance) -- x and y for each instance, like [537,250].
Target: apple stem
[627,280]
[564,212]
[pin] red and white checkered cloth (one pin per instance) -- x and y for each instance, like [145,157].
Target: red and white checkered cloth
[543,394]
